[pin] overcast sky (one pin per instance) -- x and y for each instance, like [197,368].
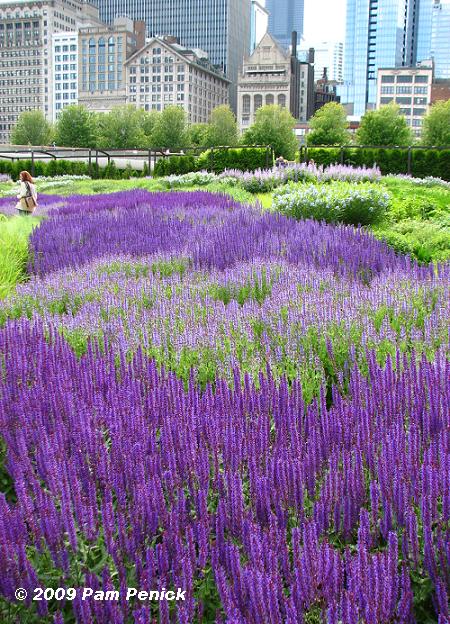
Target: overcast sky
[324,20]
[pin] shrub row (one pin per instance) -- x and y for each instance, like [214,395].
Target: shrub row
[248,159]
[69,167]
[424,162]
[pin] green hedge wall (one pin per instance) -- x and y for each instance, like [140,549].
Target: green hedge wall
[68,167]
[424,162]
[217,161]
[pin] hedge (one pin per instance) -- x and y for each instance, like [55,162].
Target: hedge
[244,159]
[424,162]
[69,167]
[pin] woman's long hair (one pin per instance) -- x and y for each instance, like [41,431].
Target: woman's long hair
[26,177]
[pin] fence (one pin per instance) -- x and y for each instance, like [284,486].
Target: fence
[94,156]
[343,149]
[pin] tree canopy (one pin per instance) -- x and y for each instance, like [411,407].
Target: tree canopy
[274,125]
[436,125]
[75,127]
[170,129]
[222,127]
[385,126]
[32,129]
[329,126]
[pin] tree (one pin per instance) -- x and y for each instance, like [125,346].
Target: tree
[32,129]
[75,127]
[436,125]
[222,127]
[274,125]
[170,129]
[121,129]
[148,123]
[198,134]
[384,126]
[329,126]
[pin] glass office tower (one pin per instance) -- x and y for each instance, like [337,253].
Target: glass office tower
[434,35]
[379,33]
[285,16]
[219,27]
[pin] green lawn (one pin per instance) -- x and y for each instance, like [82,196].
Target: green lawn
[14,233]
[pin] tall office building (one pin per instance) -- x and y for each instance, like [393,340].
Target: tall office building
[434,35]
[65,71]
[285,16]
[219,27]
[28,54]
[391,33]
[329,54]
[259,22]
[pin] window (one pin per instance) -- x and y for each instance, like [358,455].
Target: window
[269,98]
[402,78]
[404,89]
[385,90]
[245,103]
[385,100]
[420,90]
[403,100]
[387,78]
[257,102]
[419,111]
[421,78]
[281,100]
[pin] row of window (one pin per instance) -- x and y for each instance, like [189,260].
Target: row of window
[403,90]
[404,78]
[258,101]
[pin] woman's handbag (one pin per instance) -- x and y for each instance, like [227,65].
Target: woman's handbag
[28,203]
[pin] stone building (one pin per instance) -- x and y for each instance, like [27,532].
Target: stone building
[165,73]
[271,75]
[26,53]
[103,51]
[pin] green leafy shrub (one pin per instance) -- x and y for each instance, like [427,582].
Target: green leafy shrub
[342,202]
[427,241]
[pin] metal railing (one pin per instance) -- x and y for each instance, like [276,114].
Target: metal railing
[94,155]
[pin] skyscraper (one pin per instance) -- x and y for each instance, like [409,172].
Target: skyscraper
[285,16]
[379,33]
[219,27]
[434,35]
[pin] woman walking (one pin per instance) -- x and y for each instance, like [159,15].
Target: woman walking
[27,195]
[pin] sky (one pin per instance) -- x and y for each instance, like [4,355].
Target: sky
[324,20]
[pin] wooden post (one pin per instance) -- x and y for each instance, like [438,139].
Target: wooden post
[341,155]
[96,163]
[90,163]
[409,160]
[32,163]
[149,162]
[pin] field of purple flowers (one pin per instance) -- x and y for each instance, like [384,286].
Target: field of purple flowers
[197,394]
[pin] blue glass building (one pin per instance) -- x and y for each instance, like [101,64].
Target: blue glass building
[219,27]
[379,33]
[285,16]
[434,35]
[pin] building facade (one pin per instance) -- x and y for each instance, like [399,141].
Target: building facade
[259,21]
[410,88]
[164,73]
[329,54]
[65,71]
[285,16]
[379,33]
[219,27]
[27,54]
[102,54]
[273,76]
[325,91]
[434,35]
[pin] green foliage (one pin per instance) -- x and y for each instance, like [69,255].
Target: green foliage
[121,129]
[217,160]
[426,241]
[148,122]
[338,202]
[384,127]
[274,125]
[436,125]
[75,127]
[32,129]
[222,128]
[424,162]
[197,134]
[14,235]
[329,126]
[170,129]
